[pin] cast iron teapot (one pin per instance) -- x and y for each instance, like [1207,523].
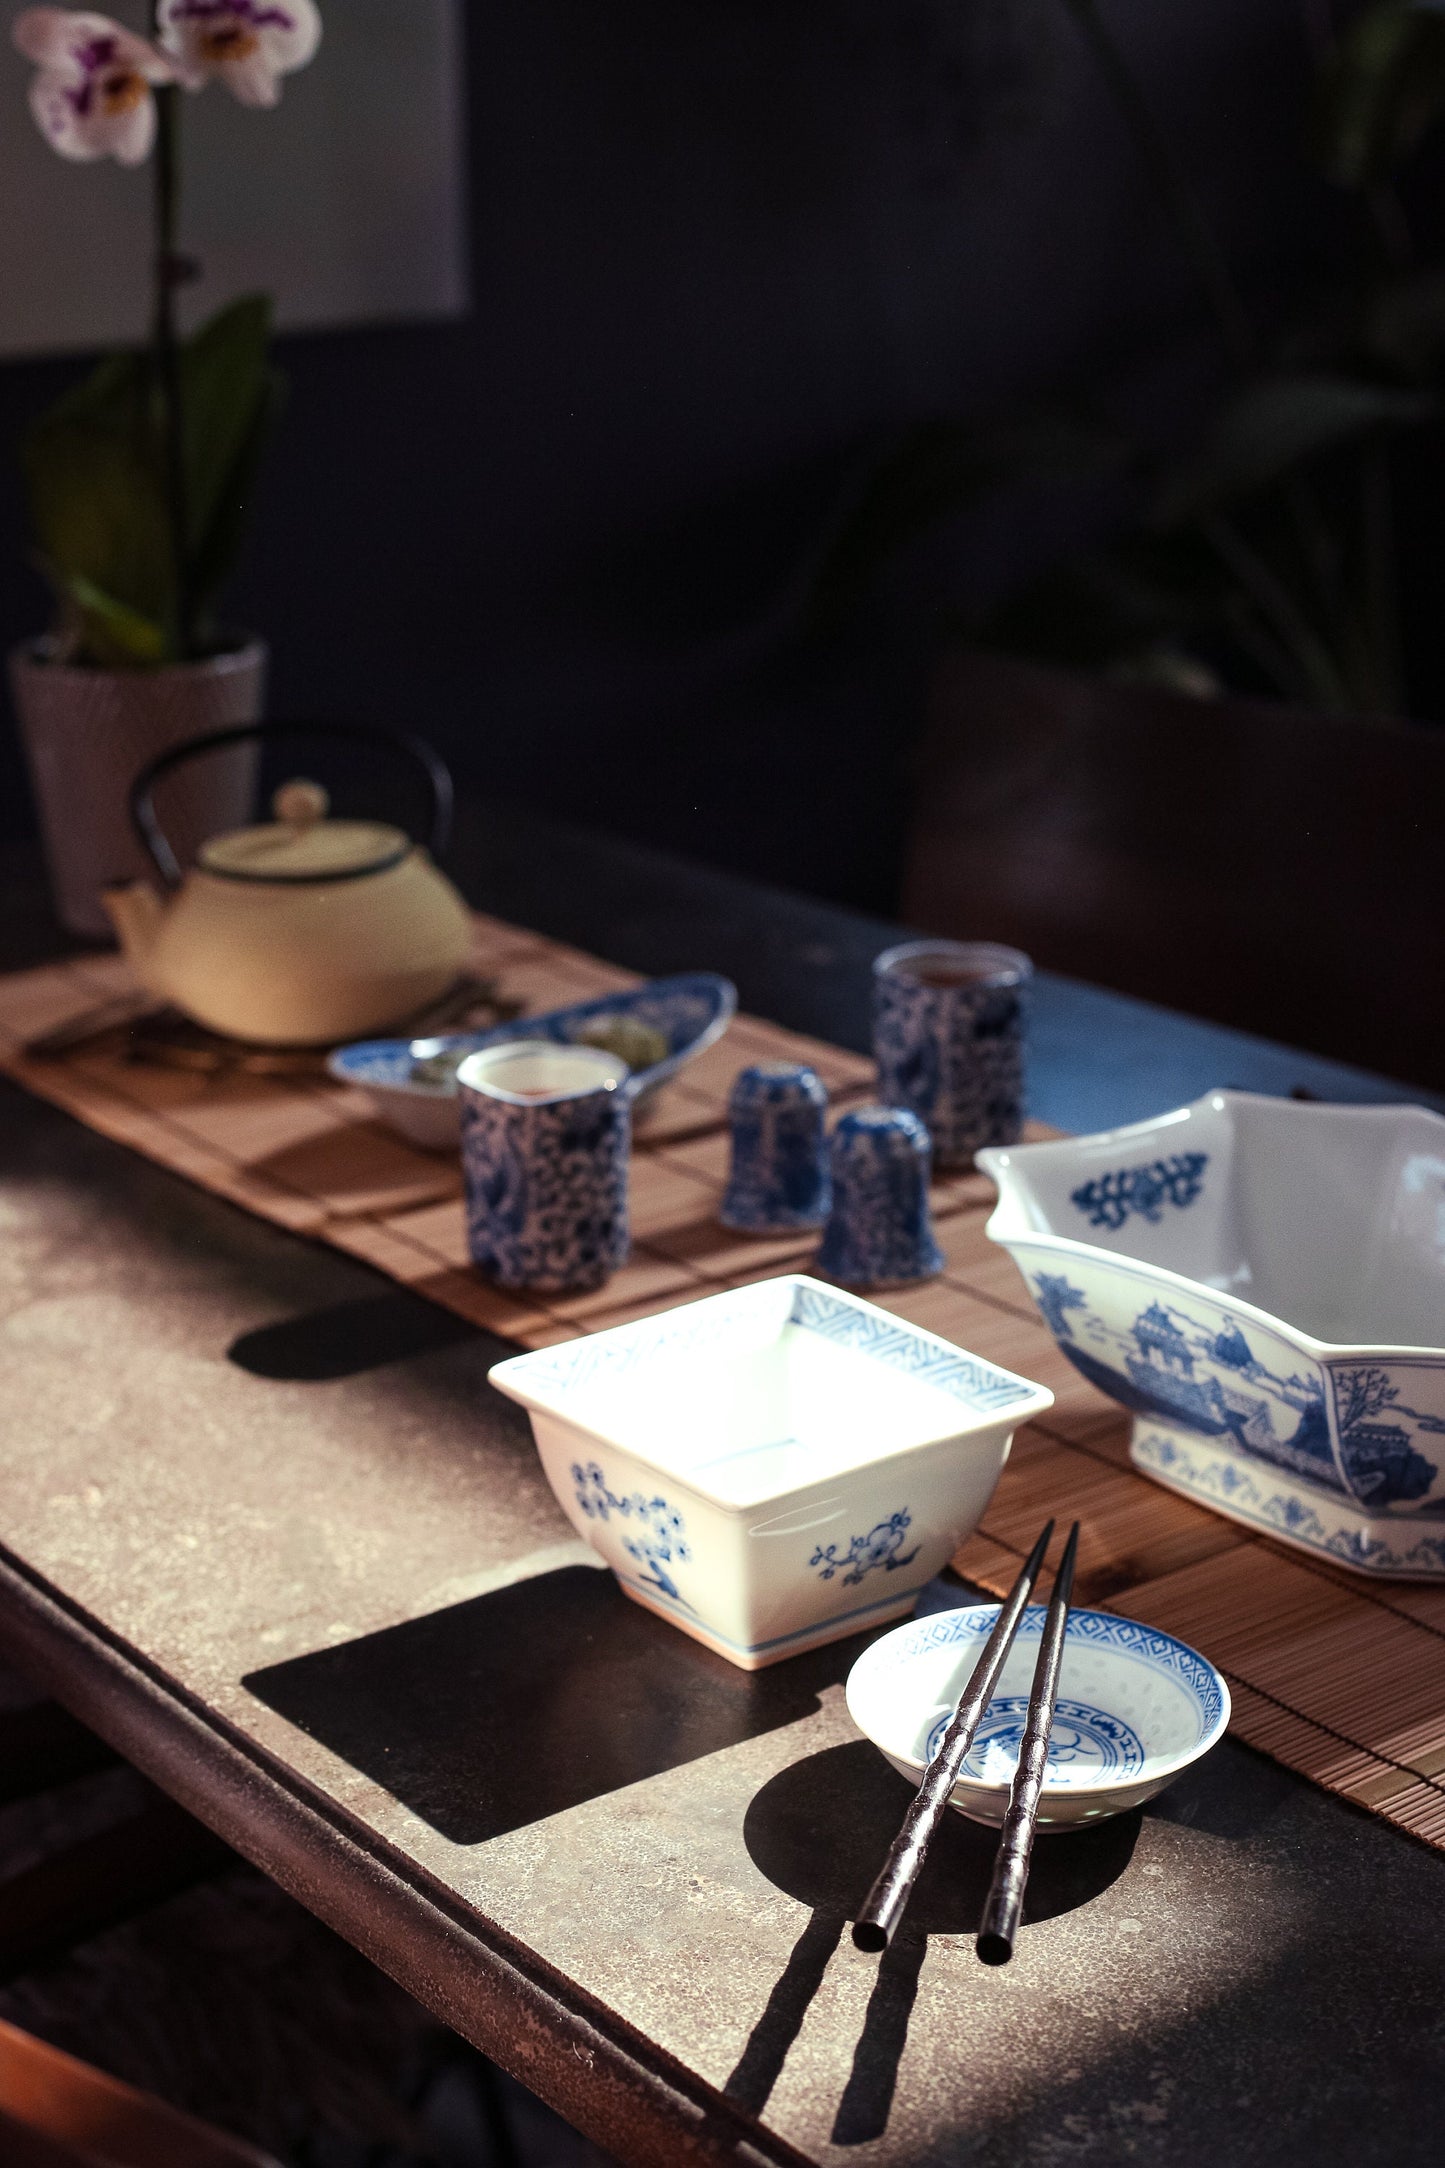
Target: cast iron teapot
[304,930]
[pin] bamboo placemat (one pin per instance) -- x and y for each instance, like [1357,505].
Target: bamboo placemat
[1341,1679]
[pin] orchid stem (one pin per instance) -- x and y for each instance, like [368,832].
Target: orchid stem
[167,353]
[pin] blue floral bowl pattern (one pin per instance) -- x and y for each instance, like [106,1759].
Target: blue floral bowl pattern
[1260,1283]
[879,1232]
[779,1176]
[772,1467]
[948,1037]
[690,1011]
[1135,1708]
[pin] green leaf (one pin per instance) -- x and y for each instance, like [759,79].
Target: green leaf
[219,544]
[229,396]
[95,481]
[97,510]
[110,631]
[1273,427]
[1380,92]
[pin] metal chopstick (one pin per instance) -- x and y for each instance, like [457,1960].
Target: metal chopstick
[883,1906]
[1005,1901]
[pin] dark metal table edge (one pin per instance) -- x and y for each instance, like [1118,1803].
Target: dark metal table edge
[581,2058]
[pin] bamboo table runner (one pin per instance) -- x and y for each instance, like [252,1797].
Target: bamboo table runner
[1341,1679]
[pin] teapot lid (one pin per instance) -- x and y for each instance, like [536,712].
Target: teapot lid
[301,844]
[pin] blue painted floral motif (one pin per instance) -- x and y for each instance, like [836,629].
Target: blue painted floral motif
[661,1540]
[546,1187]
[879,1232]
[1109,1199]
[953,1053]
[778,1177]
[880,1547]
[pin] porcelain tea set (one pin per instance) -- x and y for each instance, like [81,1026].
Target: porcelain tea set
[1260,1283]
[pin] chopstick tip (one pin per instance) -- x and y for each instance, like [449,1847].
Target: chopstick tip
[994,1949]
[869,1936]
[1036,1556]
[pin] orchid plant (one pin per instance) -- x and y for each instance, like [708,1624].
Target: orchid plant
[137,480]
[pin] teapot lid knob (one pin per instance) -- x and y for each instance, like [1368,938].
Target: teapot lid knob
[300,804]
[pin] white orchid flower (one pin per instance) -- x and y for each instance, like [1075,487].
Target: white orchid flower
[93,95]
[249,44]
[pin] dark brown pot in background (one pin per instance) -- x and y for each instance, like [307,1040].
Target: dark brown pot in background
[1245,861]
[87,734]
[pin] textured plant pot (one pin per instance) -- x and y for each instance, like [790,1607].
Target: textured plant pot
[87,734]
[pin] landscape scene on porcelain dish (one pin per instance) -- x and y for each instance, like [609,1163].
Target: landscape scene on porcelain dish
[657,1029]
[1135,1707]
[772,1467]
[1262,1284]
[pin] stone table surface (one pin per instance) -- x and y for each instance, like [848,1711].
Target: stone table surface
[268,1529]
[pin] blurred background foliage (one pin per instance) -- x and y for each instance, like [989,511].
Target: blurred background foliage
[1258,552]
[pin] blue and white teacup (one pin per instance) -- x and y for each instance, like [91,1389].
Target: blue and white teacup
[948,1037]
[779,1173]
[880,1231]
[546,1136]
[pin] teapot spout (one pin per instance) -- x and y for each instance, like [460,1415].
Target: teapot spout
[137,913]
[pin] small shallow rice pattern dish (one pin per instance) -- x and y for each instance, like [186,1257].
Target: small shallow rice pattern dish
[691,1011]
[1135,1707]
[1261,1284]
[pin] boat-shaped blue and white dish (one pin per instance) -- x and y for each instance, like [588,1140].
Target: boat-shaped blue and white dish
[412,1082]
[1261,1283]
[1135,1708]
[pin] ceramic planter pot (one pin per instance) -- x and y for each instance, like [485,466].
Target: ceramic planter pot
[87,734]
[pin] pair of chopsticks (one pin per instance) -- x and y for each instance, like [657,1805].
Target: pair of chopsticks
[884,1905]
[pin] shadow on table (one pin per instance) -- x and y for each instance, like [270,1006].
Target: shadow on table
[346,1338]
[819,1831]
[534,1698]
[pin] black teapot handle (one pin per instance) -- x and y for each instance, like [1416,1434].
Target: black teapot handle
[433,768]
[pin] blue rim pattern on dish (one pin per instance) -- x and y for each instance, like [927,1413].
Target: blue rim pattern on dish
[1129,1637]
[1189,1465]
[980,1385]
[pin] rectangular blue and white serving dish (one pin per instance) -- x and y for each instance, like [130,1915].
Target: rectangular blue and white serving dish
[1262,1284]
[773,1467]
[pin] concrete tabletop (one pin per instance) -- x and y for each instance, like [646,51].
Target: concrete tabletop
[267,1529]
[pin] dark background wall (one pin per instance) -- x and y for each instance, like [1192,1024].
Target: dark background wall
[720,248]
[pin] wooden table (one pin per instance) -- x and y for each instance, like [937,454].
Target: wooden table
[268,1530]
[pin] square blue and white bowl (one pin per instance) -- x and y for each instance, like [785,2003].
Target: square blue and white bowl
[1135,1709]
[773,1467]
[1262,1284]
